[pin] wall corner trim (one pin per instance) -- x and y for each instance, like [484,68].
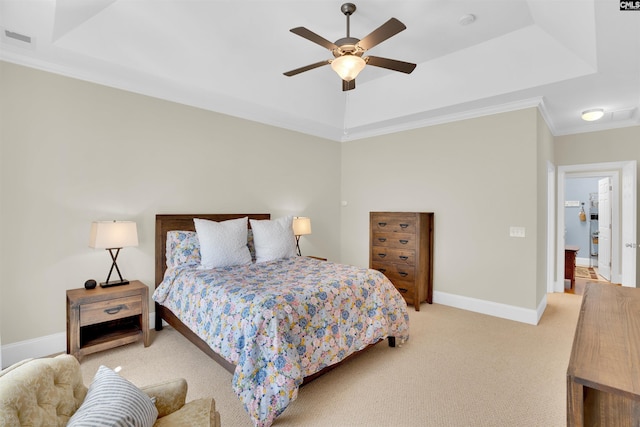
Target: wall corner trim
[491,308]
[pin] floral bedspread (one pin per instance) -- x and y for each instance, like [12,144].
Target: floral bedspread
[283,320]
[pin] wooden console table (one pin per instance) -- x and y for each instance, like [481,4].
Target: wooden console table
[603,378]
[570,253]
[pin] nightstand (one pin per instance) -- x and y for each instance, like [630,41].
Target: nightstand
[103,318]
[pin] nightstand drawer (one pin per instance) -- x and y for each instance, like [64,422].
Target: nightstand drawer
[104,311]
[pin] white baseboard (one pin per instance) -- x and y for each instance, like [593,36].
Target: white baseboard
[491,308]
[585,262]
[37,347]
[42,346]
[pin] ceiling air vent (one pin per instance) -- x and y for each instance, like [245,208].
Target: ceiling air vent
[623,114]
[17,39]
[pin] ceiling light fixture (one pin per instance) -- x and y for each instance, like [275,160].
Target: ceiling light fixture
[348,66]
[592,115]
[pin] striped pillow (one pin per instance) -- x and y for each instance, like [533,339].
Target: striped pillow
[113,401]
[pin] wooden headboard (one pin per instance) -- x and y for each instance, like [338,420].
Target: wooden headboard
[184,222]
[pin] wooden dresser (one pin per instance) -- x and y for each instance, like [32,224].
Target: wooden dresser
[401,247]
[603,378]
[570,254]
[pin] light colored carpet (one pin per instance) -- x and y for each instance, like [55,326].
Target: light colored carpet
[458,369]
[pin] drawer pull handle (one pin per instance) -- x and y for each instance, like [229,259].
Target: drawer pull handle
[114,310]
[382,239]
[404,242]
[382,270]
[404,225]
[403,257]
[403,290]
[382,224]
[382,255]
[403,274]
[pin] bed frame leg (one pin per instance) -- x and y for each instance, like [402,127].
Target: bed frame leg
[392,341]
[158,318]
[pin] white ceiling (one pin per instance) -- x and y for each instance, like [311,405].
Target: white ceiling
[564,56]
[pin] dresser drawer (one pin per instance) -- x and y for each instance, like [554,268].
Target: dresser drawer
[395,256]
[394,224]
[406,289]
[395,272]
[104,311]
[394,240]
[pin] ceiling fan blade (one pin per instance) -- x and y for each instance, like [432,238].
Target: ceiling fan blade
[348,85]
[390,64]
[380,34]
[311,36]
[306,68]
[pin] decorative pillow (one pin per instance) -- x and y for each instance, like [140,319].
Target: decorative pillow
[223,243]
[273,239]
[112,400]
[183,248]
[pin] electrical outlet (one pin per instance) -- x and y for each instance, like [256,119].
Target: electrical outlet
[516,231]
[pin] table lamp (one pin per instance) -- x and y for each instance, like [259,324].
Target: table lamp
[113,236]
[301,227]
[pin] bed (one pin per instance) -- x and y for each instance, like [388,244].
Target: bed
[276,324]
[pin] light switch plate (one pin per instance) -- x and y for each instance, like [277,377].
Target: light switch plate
[516,231]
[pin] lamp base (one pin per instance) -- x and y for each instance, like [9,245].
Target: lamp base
[114,283]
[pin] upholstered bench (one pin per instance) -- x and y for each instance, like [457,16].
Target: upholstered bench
[50,391]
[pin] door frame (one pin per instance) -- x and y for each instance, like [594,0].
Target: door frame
[551,225]
[613,170]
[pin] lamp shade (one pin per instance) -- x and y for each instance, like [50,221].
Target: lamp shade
[113,234]
[301,225]
[348,66]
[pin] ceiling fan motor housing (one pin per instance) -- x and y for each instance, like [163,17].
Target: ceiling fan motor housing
[347,45]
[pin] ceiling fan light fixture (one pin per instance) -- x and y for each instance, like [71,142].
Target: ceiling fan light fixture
[348,66]
[592,115]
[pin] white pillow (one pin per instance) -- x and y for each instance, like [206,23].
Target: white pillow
[273,239]
[112,400]
[223,243]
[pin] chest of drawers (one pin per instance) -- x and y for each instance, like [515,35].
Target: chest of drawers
[401,247]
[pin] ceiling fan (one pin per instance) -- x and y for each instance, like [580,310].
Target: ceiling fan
[348,51]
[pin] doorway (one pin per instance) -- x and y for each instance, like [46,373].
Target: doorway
[623,218]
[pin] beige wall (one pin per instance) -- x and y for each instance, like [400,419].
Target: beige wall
[74,152]
[479,177]
[598,147]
